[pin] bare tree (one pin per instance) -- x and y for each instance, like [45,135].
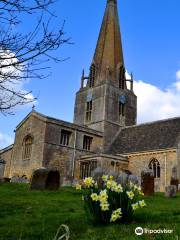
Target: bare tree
[25,55]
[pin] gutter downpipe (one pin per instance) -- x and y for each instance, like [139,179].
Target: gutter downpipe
[74,154]
[165,163]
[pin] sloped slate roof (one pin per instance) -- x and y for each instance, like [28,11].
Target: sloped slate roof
[145,137]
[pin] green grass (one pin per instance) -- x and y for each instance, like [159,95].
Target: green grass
[35,215]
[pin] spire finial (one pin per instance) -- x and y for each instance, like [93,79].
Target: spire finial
[33,108]
[113,1]
[132,77]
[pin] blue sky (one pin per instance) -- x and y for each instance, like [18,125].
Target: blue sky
[151,43]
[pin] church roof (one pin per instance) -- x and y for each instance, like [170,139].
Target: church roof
[63,123]
[161,134]
[6,148]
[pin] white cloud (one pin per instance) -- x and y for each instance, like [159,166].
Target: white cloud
[14,81]
[155,103]
[5,140]
[178,75]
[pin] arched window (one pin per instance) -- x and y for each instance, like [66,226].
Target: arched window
[89,105]
[27,147]
[2,161]
[122,78]
[122,101]
[155,166]
[92,75]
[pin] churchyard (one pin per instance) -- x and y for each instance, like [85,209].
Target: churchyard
[37,215]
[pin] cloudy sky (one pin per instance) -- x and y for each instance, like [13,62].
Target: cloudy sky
[150,33]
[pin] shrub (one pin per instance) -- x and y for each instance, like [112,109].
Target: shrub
[107,201]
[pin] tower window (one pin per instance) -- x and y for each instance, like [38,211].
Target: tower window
[121,109]
[88,111]
[155,166]
[122,84]
[122,81]
[65,137]
[87,142]
[27,147]
[92,75]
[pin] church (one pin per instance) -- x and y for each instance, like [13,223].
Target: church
[104,132]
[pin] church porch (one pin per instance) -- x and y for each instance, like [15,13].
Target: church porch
[88,163]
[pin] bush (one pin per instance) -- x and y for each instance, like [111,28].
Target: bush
[107,201]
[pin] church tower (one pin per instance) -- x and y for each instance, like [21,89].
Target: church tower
[106,101]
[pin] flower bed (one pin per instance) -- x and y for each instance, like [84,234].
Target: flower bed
[107,201]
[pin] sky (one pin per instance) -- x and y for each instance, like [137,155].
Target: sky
[151,44]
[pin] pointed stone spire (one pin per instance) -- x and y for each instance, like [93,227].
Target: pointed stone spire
[109,53]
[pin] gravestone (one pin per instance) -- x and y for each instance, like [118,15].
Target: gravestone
[45,179]
[53,180]
[17,179]
[174,173]
[6,180]
[170,191]
[147,182]
[97,175]
[175,182]
[123,179]
[135,180]
[174,177]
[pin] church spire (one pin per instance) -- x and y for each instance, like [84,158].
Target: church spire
[105,103]
[108,55]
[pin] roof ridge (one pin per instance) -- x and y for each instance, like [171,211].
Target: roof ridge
[153,122]
[6,148]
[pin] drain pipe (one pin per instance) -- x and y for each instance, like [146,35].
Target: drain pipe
[165,164]
[74,154]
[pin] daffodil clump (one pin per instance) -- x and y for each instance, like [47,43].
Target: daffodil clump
[109,201]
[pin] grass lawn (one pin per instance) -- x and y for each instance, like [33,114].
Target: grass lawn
[35,215]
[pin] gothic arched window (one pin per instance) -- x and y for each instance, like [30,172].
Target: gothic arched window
[121,109]
[122,101]
[27,147]
[155,166]
[89,111]
[122,81]
[92,75]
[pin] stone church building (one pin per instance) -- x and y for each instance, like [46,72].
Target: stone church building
[104,131]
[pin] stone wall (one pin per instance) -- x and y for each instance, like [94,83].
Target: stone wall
[46,148]
[7,157]
[178,160]
[105,109]
[63,158]
[167,160]
[35,127]
[2,166]
[105,100]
